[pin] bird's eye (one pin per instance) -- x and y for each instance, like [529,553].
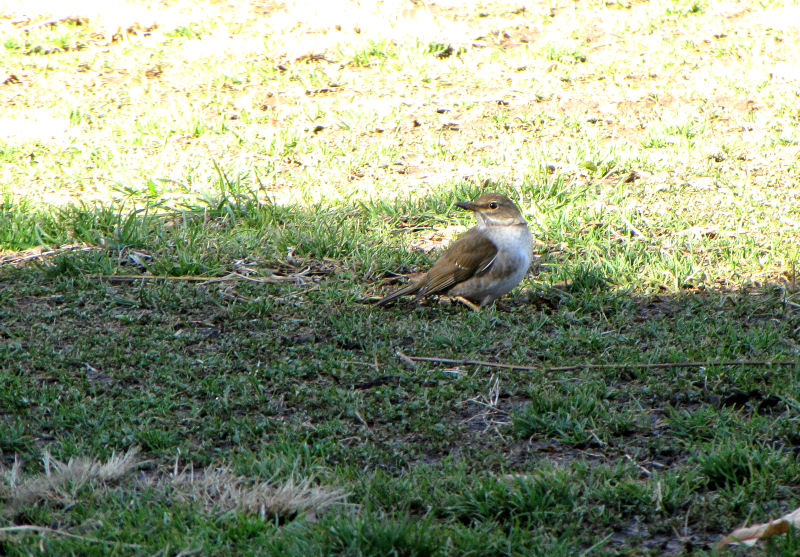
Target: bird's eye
[493,205]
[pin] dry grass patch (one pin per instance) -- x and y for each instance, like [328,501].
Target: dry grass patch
[215,489]
[219,490]
[62,481]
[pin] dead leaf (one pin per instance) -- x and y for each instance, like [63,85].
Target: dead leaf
[751,534]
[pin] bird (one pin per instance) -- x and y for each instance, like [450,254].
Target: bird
[485,262]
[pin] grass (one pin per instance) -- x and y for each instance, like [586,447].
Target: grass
[195,214]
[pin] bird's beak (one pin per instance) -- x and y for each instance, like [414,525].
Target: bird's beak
[468,205]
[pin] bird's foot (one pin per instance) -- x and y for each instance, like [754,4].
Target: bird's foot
[467,303]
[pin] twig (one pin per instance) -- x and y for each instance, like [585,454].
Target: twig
[656,365]
[29,257]
[470,363]
[297,277]
[406,360]
[46,530]
[668,365]
[130,278]
[271,279]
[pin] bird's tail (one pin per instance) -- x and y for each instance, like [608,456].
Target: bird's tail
[408,289]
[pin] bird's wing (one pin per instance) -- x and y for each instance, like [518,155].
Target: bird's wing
[471,254]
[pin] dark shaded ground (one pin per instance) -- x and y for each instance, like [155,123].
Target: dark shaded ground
[663,460]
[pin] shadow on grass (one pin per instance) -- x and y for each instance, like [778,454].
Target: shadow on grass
[296,376]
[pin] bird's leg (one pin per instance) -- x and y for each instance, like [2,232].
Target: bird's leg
[467,303]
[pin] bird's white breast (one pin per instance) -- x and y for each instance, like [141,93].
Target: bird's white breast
[514,246]
[515,241]
[510,265]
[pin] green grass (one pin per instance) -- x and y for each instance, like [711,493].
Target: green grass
[187,270]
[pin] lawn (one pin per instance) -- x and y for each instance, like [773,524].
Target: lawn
[200,201]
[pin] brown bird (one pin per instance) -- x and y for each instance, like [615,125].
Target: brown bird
[484,263]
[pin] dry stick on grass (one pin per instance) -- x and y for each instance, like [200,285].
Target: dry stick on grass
[669,365]
[297,277]
[407,358]
[46,530]
[131,278]
[13,260]
[657,365]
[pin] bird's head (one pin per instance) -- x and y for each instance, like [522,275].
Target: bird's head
[494,209]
